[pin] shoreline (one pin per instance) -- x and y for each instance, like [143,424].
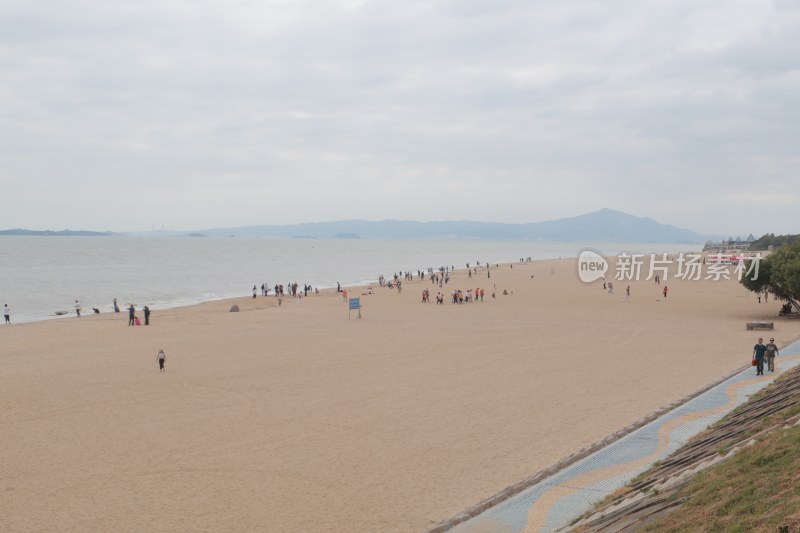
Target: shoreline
[167,307]
[156,305]
[44,278]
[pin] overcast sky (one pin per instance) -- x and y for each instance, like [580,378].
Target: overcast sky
[197,114]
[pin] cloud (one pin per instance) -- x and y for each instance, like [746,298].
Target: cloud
[506,111]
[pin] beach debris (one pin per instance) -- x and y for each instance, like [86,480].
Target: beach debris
[234,308]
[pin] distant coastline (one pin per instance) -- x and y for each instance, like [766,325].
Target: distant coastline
[63,233]
[605,225]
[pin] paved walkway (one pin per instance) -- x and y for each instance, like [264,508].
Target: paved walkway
[559,499]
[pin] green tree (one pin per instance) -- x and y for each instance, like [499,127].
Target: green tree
[775,241]
[778,274]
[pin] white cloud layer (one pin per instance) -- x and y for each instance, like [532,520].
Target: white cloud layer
[193,114]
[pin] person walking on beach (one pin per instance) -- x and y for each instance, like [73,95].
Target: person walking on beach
[665,291]
[146,315]
[254,292]
[131,315]
[771,351]
[161,358]
[7,313]
[77,308]
[627,297]
[758,354]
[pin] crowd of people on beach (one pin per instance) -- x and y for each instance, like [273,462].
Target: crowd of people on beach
[457,296]
[290,289]
[440,276]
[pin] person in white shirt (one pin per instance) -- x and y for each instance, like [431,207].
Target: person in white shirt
[161,357]
[7,313]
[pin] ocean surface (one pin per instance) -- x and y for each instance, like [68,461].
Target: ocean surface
[40,276]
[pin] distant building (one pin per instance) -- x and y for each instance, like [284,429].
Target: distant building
[729,245]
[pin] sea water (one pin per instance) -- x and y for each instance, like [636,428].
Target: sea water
[43,276]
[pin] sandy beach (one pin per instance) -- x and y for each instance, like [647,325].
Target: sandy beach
[294,418]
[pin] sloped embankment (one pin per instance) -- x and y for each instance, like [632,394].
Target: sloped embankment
[750,464]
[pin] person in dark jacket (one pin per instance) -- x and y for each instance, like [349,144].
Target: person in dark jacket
[758,354]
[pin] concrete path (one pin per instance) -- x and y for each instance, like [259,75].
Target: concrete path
[558,500]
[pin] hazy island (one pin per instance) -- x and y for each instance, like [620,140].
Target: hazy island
[50,233]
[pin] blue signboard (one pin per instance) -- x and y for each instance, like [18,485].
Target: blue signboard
[355,303]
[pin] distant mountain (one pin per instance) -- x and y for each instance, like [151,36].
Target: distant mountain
[605,225]
[51,233]
[610,226]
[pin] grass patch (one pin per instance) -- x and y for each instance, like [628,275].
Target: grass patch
[756,490]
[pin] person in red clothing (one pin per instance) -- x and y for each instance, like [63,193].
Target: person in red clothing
[665,291]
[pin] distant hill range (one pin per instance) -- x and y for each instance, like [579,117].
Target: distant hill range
[605,225]
[62,233]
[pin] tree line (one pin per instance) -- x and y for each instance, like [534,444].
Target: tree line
[775,241]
